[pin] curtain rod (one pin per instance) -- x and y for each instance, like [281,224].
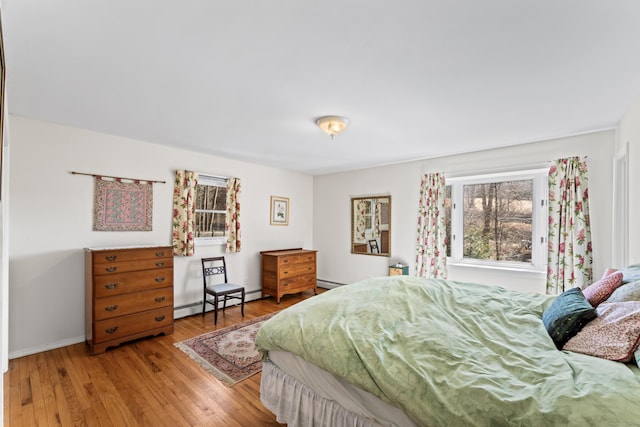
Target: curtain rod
[117,177]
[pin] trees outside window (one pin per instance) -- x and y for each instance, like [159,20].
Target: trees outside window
[498,219]
[211,210]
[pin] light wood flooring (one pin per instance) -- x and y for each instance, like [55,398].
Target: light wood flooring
[148,382]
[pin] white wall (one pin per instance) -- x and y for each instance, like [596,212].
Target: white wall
[332,208]
[51,221]
[629,133]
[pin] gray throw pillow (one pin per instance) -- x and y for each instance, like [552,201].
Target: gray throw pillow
[630,273]
[626,292]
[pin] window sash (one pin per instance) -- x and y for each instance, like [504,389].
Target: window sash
[211,181]
[538,219]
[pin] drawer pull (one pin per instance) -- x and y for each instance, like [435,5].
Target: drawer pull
[159,299]
[111,269]
[111,257]
[112,307]
[111,285]
[111,330]
[159,264]
[160,318]
[159,254]
[160,279]
[285,261]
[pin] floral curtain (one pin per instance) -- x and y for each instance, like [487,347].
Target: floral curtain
[361,210]
[377,213]
[184,199]
[570,252]
[431,245]
[232,221]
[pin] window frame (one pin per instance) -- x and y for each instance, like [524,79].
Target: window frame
[539,219]
[212,181]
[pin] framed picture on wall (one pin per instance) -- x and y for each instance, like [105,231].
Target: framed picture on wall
[279,210]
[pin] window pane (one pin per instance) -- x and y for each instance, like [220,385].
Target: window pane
[498,221]
[209,224]
[210,197]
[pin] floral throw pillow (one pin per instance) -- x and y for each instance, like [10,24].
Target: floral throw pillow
[599,291]
[613,335]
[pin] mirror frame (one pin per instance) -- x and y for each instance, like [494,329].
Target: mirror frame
[359,247]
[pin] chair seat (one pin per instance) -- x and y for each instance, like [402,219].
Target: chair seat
[224,288]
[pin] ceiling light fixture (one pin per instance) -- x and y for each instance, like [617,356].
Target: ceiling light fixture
[332,125]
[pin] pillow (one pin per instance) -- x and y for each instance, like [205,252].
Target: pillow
[630,273]
[601,290]
[567,315]
[609,271]
[628,292]
[614,335]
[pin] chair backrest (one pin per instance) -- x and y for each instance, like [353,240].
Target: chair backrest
[214,266]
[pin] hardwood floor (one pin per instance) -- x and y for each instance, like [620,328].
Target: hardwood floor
[148,382]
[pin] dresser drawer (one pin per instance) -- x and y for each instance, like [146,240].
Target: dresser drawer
[119,327]
[121,283]
[120,305]
[297,259]
[300,283]
[297,270]
[125,266]
[118,255]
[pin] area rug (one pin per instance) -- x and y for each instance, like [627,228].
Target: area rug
[230,353]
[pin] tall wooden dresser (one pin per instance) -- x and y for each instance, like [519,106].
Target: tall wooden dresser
[288,271]
[128,294]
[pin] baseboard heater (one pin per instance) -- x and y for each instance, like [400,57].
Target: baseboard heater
[328,284]
[199,303]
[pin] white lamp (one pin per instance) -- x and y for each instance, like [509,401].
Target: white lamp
[332,125]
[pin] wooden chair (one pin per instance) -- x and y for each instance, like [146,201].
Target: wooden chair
[214,275]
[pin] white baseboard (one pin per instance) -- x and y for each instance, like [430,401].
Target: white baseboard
[46,347]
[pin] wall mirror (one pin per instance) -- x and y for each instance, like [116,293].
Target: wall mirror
[371,225]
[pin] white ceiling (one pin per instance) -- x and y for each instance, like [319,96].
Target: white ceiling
[247,78]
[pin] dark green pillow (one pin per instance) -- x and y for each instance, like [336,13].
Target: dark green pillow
[567,315]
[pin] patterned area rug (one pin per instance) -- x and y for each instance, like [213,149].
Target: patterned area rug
[230,353]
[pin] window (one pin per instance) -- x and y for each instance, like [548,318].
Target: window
[498,219]
[211,210]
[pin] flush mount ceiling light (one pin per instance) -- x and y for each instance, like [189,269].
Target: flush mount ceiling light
[332,125]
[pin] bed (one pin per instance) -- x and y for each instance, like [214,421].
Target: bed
[406,351]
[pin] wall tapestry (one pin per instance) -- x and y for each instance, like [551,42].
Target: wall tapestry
[122,206]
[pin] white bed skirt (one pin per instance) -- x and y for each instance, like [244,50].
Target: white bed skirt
[297,405]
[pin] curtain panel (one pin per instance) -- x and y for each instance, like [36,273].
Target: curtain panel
[232,221]
[431,245]
[361,209]
[184,199]
[377,214]
[569,262]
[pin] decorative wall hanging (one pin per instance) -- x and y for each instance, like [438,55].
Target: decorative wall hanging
[122,206]
[279,210]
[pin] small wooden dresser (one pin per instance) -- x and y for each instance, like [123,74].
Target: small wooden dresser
[288,271]
[128,294]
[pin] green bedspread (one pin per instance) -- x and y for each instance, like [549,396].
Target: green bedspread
[451,353]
